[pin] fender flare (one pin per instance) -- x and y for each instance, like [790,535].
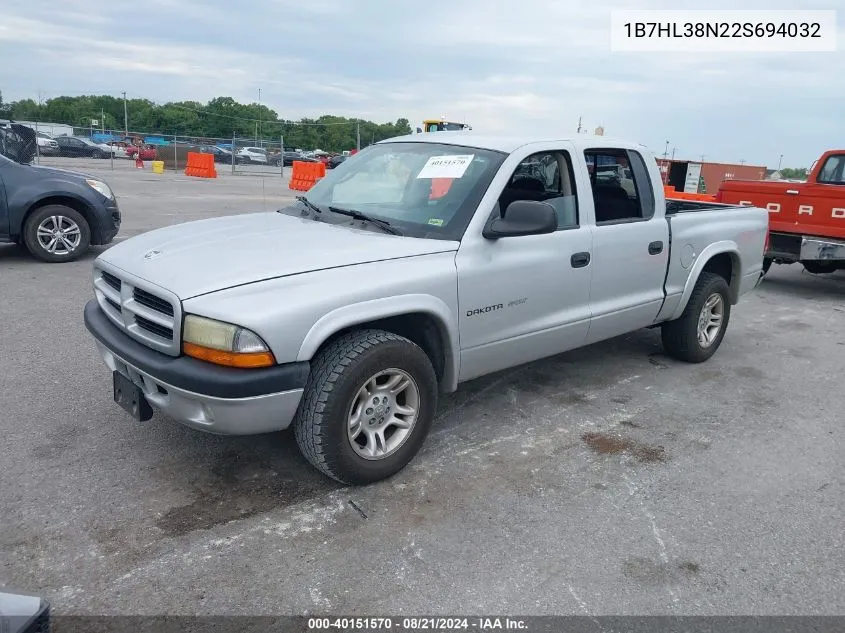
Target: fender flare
[358,313]
[710,251]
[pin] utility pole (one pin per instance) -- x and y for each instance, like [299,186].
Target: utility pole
[102,120]
[125,117]
[579,126]
[673,153]
[666,151]
[780,160]
[702,158]
[258,124]
[358,135]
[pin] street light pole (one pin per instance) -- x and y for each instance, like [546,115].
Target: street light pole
[780,160]
[125,117]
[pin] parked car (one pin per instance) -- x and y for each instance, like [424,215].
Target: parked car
[806,219]
[55,213]
[347,313]
[47,145]
[254,154]
[148,152]
[118,148]
[81,146]
[289,157]
[334,161]
[222,155]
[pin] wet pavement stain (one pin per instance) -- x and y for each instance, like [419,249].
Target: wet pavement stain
[750,372]
[650,572]
[239,488]
[570,398]
[606,444]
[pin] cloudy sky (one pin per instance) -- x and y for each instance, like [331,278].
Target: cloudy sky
[531,66]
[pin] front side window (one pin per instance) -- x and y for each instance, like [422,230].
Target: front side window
[428,190]
[545,177]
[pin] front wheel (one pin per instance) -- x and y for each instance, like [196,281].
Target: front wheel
[367,407]
[56,234]
[696,335]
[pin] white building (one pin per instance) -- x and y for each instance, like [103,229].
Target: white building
[53,129]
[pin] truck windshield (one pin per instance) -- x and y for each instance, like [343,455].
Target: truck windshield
[427,190]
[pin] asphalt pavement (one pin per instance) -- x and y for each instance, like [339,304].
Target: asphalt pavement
[608,480]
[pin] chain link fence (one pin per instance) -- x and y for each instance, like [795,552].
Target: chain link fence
[117,150]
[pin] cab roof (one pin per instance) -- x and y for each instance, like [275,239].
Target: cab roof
[509,143]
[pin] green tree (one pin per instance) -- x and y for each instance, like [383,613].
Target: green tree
[792,173]
[221,118]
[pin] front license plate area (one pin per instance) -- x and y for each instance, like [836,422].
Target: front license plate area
[130,398]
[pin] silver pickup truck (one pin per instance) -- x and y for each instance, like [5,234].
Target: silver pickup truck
[417,264]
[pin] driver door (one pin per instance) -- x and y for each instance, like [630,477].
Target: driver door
[526,297]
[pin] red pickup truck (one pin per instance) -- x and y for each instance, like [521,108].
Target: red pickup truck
[806,219]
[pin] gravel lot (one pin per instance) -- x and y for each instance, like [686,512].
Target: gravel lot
[610,480]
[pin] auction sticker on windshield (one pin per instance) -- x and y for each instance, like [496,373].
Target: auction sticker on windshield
[446,166]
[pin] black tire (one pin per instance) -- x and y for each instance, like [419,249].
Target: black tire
[337,374]
[680,337]
[34,246]
[97,154]
[820,268]
[767,263]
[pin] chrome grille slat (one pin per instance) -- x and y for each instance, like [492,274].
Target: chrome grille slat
[147,313]
[151,301]
[139,309]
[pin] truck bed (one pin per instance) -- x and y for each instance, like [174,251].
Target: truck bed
[674,207]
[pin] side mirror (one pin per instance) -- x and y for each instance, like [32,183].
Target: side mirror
[523,217]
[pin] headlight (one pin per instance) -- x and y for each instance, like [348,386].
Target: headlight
[101,187]
[224,343]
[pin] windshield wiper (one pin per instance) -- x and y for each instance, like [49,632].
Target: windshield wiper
[309,204]
[352,213]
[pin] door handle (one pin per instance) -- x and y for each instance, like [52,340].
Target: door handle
[579,260]
[793,192]
[655,248]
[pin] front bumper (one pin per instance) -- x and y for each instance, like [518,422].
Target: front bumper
[203,396]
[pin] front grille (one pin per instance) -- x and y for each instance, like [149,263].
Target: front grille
[155,328]
[147,313]
[151,301]
[111,280]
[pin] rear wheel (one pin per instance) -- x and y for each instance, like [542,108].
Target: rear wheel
[696,335]
[367,408]
[97,154]
[820,268]
[55,234]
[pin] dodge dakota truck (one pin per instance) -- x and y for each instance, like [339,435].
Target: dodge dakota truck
[347,313]
[806,219]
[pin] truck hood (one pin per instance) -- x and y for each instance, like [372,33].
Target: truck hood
[196,258]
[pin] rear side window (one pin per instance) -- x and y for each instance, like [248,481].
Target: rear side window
[621,186]
[643,181]
[833,170]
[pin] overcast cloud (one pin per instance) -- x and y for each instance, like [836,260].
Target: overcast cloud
[531,66]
